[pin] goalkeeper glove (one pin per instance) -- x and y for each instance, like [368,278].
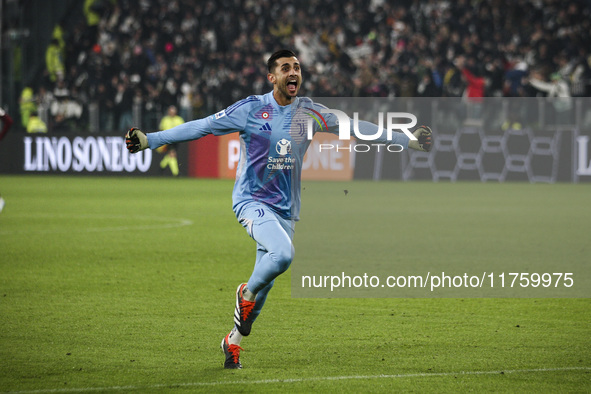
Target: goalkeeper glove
[424,140]
[136,140]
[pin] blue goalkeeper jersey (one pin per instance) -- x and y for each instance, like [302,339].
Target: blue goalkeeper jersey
[273,142]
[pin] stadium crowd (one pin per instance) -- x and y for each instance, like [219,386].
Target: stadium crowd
[202,56]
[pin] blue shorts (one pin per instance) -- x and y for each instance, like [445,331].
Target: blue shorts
[254,214]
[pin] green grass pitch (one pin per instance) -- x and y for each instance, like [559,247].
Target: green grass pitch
[127,285]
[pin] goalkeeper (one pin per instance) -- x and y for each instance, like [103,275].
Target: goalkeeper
[266,195]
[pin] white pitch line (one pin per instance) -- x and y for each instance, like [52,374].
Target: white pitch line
[296,380]
[164,223]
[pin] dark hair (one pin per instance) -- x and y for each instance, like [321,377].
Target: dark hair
[279,54]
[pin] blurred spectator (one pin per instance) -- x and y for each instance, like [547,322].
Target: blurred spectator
[514,85]
[45,99]
[123,106]
[27,105]
[170,120]
[186,98]
[453,86]
[58,35]
[475,88]
[558,90]
[106,104]
[65,110]
[427,87]
[36,125]
[476,83]
[54,61]
[90,12]
[430,83]
[94,10]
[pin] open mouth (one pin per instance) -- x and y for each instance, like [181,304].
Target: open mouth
[292,86]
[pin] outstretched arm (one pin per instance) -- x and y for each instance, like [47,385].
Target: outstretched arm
[230,120]
[421,137]
[137,140]
[189,131]
[366,128]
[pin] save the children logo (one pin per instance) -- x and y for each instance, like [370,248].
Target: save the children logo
[283,147]
[284,161]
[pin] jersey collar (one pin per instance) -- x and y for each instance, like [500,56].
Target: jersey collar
[280,107]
